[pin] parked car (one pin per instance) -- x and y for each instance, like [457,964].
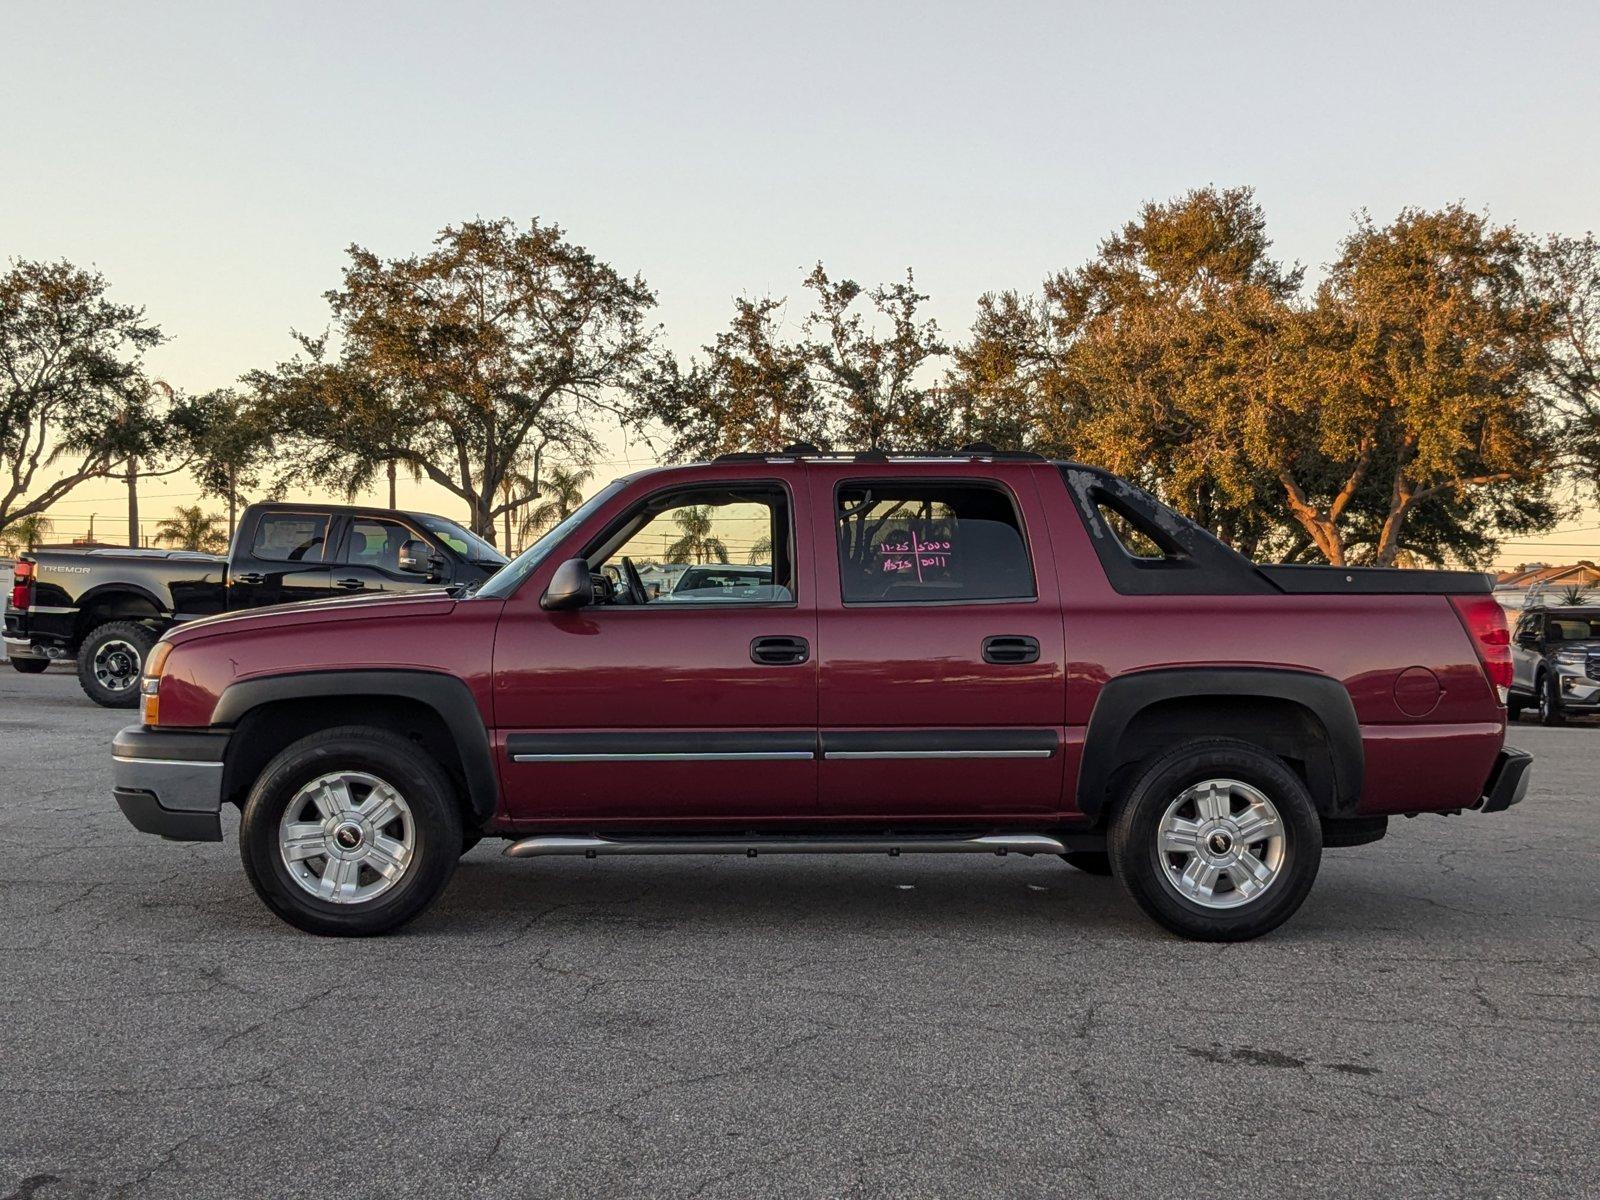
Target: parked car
[1555,660]
[736,584]
[107,607]
[969,653]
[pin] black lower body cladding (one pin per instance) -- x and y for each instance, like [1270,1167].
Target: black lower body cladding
[170,782]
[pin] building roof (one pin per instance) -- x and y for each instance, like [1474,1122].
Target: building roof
[1529,575]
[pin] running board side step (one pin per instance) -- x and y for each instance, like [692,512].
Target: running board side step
[593,847]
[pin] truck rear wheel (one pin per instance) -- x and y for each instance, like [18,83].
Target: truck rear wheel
[1218,840]
[110,662]
[31,666]
[350,832]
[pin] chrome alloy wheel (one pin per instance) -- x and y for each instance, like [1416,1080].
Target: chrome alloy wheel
[1221,843]
[347,837]
[117,665]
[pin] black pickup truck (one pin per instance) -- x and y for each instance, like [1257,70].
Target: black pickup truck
[107,607]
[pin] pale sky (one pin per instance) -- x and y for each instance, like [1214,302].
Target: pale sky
[214,159]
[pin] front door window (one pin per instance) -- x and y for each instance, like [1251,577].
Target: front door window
[714,547]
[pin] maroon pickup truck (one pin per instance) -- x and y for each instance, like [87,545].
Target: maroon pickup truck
[975,651]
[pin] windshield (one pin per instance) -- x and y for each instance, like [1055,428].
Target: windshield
[1575,627]
[469,545]
[505,581]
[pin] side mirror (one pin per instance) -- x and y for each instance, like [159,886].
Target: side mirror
[570,587]
[416,557]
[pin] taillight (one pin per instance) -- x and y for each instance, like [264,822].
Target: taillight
[22,585]
[1485,620]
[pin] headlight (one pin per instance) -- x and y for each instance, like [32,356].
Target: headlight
[1573,657]
[150,684]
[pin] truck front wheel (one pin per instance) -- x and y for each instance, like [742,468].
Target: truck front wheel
[350,832]
[110,662]
[1218,840]
[1550,701]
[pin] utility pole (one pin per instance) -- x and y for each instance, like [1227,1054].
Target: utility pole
[90,538]
[133,503]
[392,504]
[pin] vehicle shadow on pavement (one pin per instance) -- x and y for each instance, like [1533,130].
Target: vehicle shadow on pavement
[946,898]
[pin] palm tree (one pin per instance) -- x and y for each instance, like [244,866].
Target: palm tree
[761,552]
[563,492]
[514,485]
[697,544]
[25,532]
[1574,596]
[191,529]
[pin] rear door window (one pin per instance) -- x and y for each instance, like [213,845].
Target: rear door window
[290,537]
[921,543]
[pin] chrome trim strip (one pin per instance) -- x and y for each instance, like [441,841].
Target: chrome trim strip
[52,609]
[1011,843]
[686,756]
[165,762]
[937,753]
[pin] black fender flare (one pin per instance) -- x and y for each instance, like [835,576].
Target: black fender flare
[1121,699]
[103,590]
[446,695]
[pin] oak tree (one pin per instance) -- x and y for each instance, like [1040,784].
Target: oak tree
[459,361]
[74,401]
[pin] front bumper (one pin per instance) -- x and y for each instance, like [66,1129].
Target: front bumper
[169,782]
[1508,782]
[1579,692]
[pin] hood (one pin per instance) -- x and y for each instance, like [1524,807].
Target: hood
[316,612]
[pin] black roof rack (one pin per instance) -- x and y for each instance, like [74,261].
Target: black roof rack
[876,455]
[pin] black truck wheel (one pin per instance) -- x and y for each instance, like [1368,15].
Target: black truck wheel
[1549,696]
[31,666]
[1217,839]
[350,832]
[110,662]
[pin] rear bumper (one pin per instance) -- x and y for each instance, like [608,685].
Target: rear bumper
[169,782]
[20,647]
[1508,782]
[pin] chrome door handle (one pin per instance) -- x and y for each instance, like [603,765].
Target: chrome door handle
[349,585]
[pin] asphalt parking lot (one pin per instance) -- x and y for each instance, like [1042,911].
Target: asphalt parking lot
[790,1026]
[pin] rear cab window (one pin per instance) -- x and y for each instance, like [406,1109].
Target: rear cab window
[926,542]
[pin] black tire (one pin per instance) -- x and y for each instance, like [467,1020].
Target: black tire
[1513,707]
[1550,713]
[469,839]
[435,819]
[1138,864]
[110,652]
[31,666]
[1091,862]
